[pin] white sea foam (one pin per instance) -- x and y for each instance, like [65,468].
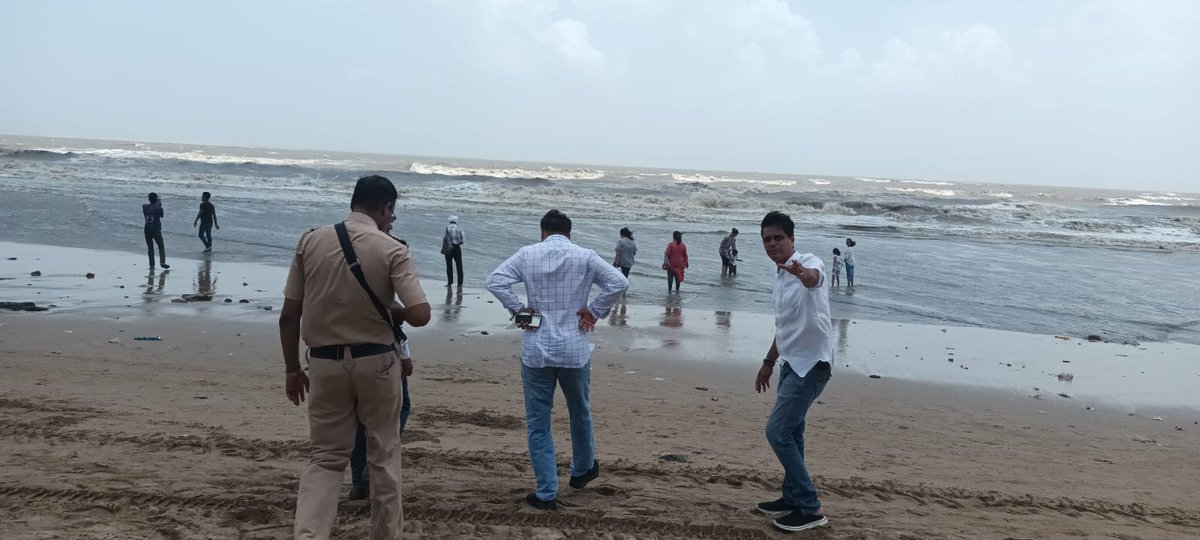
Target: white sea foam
[927,182]
[874,180]
[819,181]
[707,179]
[935,192]
[203,157]
[1132,201]
[548,173]
[1173,197]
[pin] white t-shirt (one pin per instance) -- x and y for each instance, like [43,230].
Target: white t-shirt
[803,329]
[848,256]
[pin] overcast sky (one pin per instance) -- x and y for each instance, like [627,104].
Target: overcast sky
[1080,93]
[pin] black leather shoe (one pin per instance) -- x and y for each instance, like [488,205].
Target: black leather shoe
[579,482]
[540,504]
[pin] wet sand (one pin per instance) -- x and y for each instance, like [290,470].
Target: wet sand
[191,436]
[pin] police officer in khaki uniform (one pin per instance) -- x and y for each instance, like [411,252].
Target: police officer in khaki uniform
[353,367]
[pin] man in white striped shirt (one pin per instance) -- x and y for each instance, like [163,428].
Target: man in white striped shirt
[558,276]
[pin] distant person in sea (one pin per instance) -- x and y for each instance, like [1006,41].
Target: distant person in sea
[558,277]
[675,261]
[804,341]
[848,258]
[206,219]
[728,254]
[153,212]
[626,250]
[836,274]
[452,242]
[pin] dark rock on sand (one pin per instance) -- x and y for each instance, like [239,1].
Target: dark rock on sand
[676,458]
[21,306]
[36,273]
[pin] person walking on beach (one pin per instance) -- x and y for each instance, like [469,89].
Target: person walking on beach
[836,274]
[153,212]
[626,250]
[804,341]
[452,242]
[558,277]
[728,254]
[675,261]
[848,258]
[206,219]
[340,281]
[360,477]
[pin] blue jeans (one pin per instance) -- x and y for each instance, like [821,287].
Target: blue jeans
[539,398]
[850,272]
[785,432]
[206,234]
[358,457]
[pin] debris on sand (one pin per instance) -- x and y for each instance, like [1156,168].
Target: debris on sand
[22,306]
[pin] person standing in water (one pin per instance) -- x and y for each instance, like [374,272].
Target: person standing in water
[452,242]
[848,258]
[675,261]
[728,254]
[836,274]
[153,213]
[626,250]
[206,219]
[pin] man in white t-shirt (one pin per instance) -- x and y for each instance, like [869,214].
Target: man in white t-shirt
[804,341]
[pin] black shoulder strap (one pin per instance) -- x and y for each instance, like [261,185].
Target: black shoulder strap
[356,269]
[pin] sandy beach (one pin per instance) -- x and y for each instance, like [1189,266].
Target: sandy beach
[964,433]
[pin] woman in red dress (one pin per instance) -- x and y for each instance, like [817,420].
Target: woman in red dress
[675,261]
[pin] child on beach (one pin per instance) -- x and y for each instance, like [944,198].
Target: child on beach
[837,267]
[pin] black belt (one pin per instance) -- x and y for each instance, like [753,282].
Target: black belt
[338,352]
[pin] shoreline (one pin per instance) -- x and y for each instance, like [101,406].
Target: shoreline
[1112,377]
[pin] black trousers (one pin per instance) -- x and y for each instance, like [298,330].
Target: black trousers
[154,236]
[455,256]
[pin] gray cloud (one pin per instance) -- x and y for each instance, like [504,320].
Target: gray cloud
[1088,93]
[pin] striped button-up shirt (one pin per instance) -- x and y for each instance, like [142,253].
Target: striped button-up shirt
[558,276]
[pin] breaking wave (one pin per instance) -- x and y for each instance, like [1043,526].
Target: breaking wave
[548,173]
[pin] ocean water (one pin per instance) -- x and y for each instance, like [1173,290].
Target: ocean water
[1037,259]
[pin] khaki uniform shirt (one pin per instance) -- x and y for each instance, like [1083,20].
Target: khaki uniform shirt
[337,311]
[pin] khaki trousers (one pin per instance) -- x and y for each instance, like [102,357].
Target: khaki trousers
[366,388]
